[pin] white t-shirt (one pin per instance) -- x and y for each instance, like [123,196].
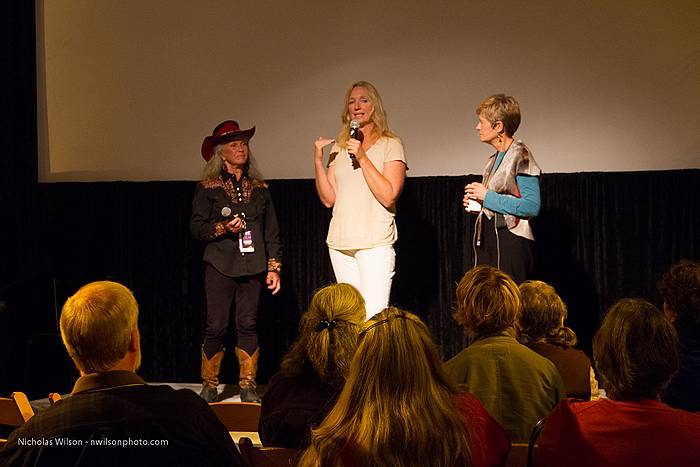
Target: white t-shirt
[359,220]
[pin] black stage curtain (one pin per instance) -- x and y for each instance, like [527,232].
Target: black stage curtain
[601,236]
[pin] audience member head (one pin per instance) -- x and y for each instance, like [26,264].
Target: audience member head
[488,301]
[542,316]
[501,108]
[396,407]
[99,327]
[680,290]
[635,350]
[328,333]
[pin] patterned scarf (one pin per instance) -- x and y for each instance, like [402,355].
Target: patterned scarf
[517,161]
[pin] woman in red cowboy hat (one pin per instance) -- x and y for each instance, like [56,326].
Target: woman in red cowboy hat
[232,212]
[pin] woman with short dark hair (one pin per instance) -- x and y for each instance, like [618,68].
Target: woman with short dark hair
[636,352]
[680,290]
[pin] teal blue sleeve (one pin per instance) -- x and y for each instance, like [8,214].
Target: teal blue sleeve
[528,205]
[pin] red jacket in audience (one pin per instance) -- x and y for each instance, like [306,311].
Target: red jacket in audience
[620,434]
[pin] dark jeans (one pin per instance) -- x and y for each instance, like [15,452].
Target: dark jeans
[223,291]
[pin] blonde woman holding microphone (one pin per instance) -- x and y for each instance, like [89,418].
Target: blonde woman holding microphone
[362,181]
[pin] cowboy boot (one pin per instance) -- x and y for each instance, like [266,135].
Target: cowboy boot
[210,376]
[248,368]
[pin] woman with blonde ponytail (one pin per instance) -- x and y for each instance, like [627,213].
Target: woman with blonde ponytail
[314,369]
[397,408]
[541,328]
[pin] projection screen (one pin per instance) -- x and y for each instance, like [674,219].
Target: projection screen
[127,89]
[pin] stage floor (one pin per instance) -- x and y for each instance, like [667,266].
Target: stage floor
[227,393]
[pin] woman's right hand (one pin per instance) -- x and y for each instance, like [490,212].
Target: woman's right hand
[325,180]
[235,226]
[319,144]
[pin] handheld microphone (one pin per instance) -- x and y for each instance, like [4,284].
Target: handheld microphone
[355,130]
[355,133]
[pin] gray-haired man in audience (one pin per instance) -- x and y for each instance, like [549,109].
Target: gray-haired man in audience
[113,417]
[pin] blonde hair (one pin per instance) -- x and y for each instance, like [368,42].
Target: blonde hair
[381,125]
[328,333]
[542,316]
[396,408]
[215,165]
[500,107]
[488,301]
[96,325]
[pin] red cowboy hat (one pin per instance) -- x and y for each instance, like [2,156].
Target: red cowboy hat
[223,133]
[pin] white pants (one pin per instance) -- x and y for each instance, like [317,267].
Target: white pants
[369,270]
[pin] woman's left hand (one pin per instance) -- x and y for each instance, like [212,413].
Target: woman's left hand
[273,282]
[355,148]
[475,191]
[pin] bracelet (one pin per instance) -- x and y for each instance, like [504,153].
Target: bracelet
[273,265]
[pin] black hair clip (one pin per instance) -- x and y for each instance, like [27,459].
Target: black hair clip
[380,322]
[325,324]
